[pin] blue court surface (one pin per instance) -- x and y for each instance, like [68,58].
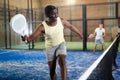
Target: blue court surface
[32,65]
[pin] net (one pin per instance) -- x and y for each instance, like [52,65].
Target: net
[101,69]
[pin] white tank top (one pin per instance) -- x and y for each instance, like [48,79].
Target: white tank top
[53,34]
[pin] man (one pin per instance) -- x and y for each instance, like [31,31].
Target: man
[54,40]
[99,37]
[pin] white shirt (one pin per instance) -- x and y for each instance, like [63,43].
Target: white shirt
[99,33]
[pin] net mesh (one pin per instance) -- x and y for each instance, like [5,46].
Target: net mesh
[102,68]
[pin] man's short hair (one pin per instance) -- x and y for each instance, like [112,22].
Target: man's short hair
[49,8]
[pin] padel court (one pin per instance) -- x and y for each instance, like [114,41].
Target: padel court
[31,64]
[19,61]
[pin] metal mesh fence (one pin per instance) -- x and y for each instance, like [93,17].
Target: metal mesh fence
[106,13]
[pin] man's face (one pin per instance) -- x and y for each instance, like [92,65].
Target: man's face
[101,25]
[53,15]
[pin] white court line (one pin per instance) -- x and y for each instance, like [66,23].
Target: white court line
[94,65]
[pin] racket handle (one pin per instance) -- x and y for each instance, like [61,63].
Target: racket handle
[26,41]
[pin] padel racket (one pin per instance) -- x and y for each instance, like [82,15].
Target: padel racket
[91,36]
[19,24]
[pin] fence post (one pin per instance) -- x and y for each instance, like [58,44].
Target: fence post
[5,22]
[84,22]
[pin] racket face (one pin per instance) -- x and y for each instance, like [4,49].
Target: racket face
[91,36]
[18,24]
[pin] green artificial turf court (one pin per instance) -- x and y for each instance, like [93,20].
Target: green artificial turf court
[70,46]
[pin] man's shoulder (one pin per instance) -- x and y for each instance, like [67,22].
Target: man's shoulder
[97,28]
[103,29]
